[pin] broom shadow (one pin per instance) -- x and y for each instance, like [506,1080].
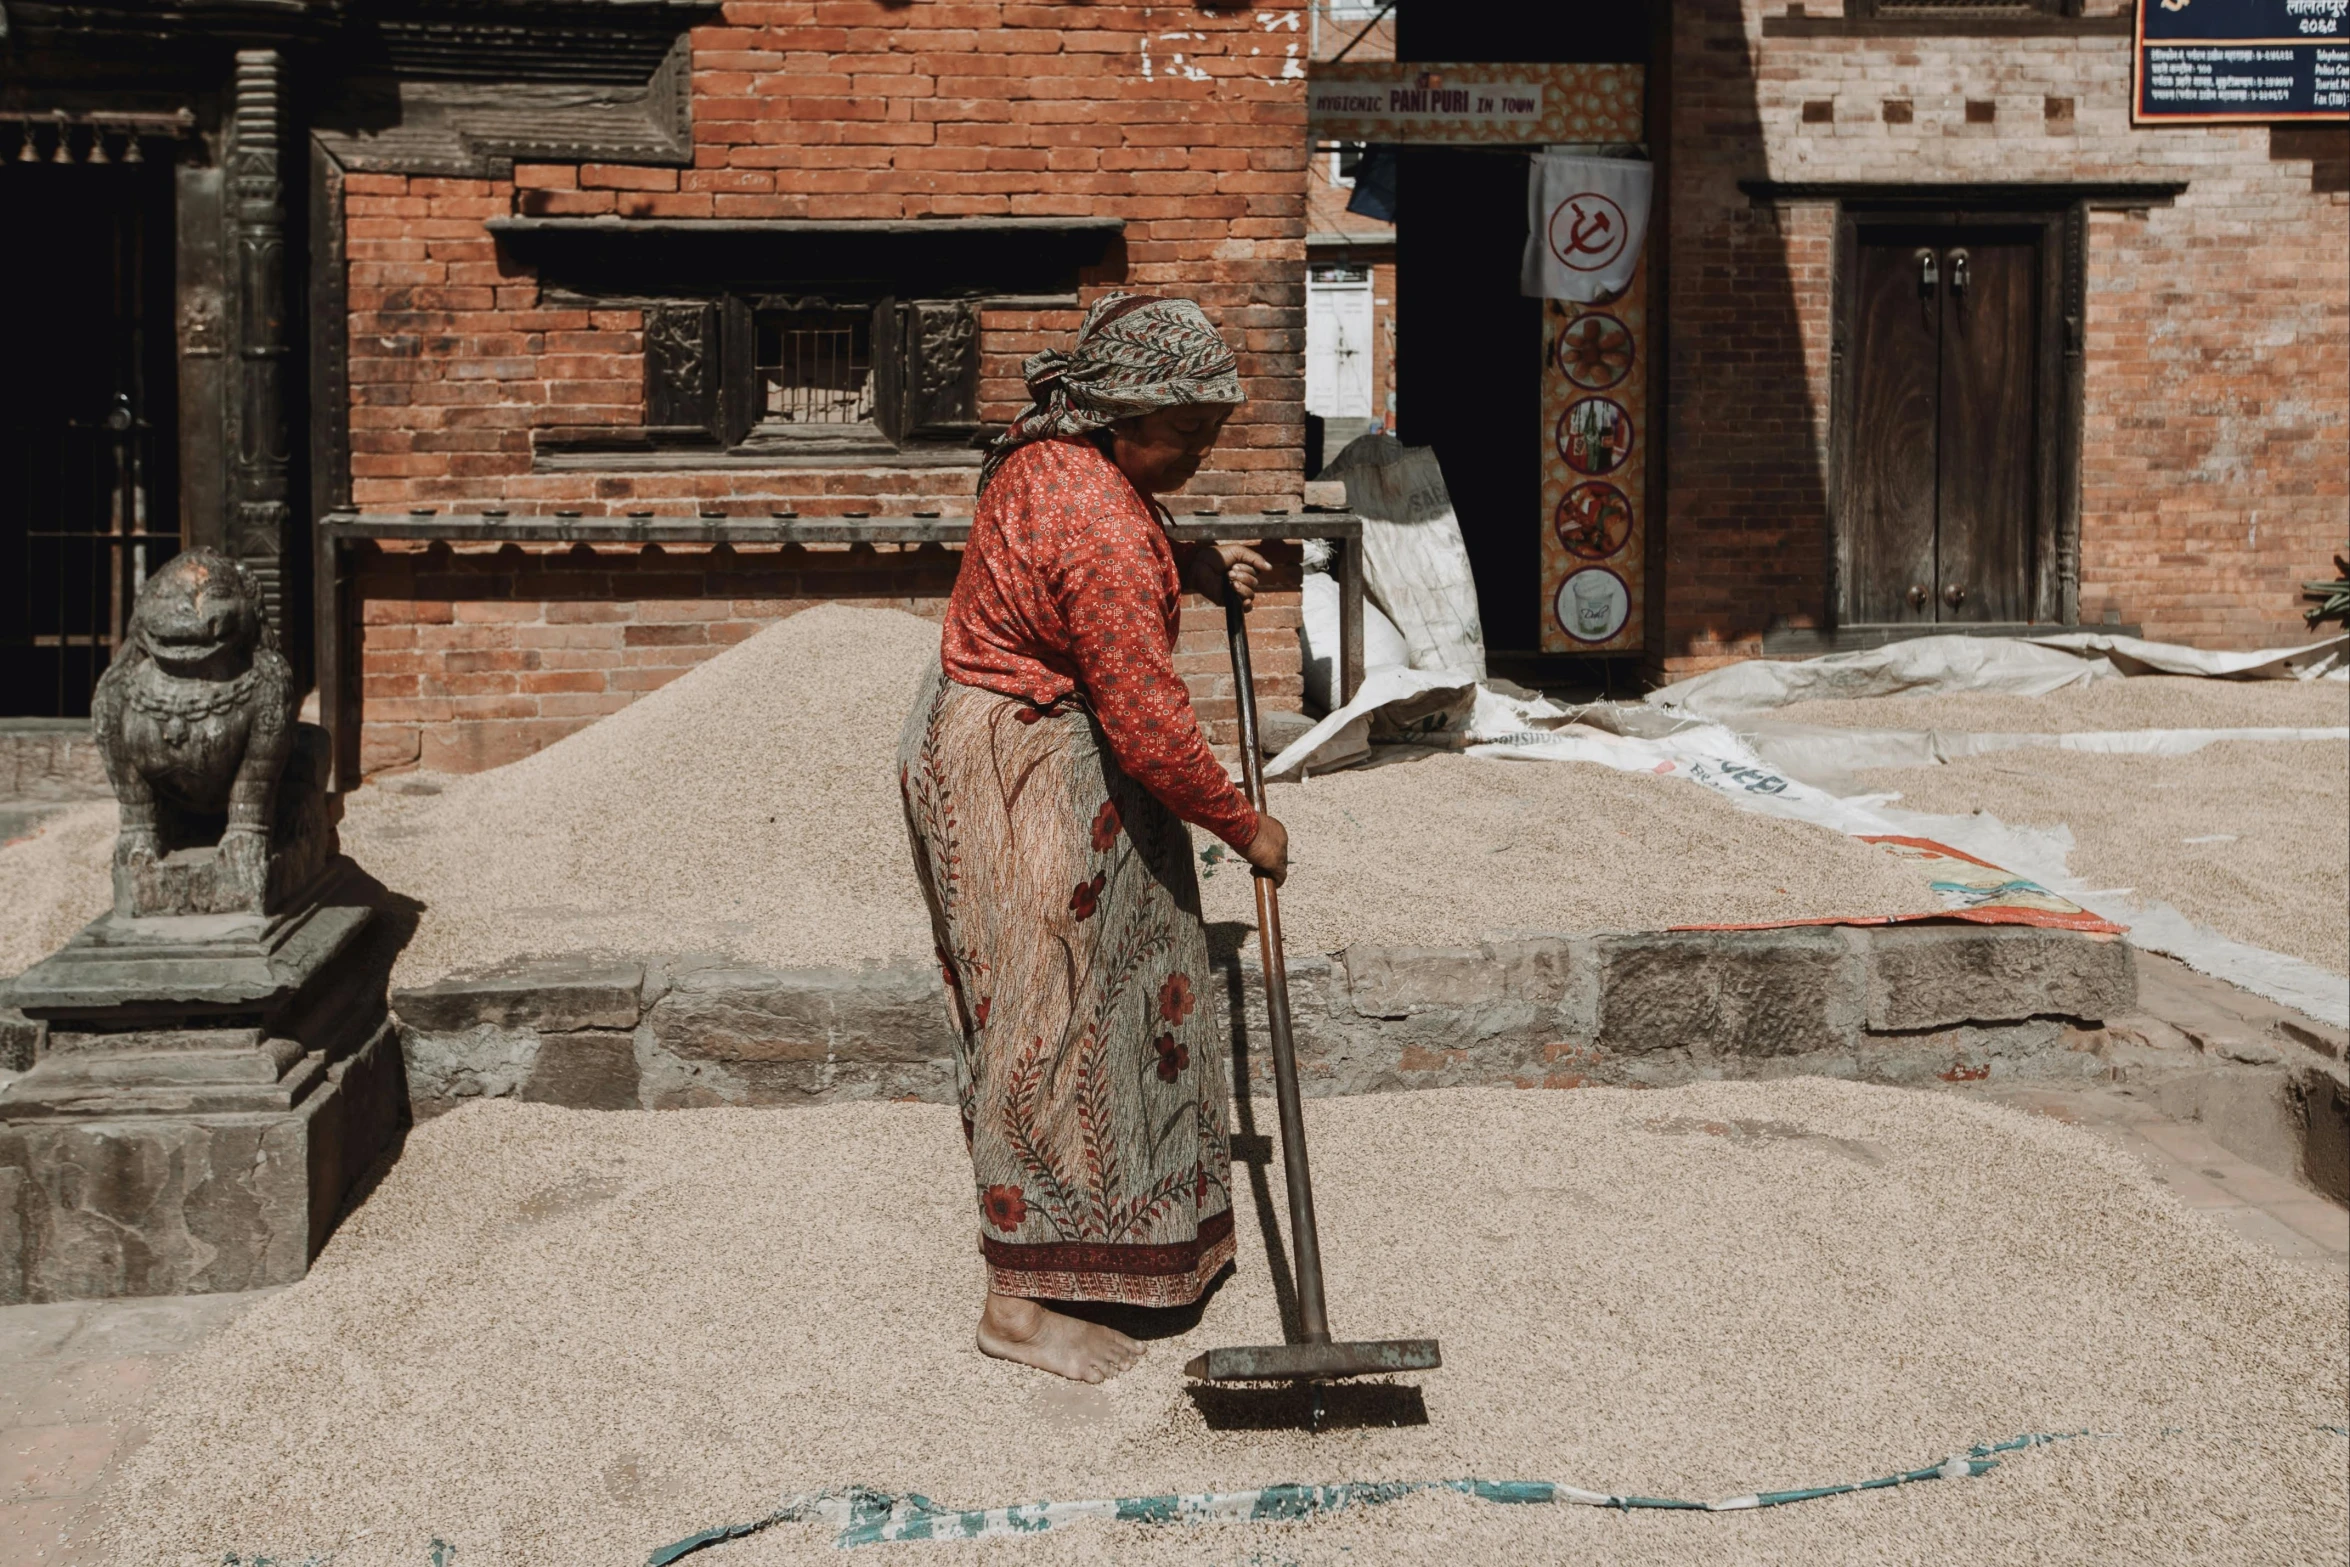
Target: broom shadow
[1278,1407]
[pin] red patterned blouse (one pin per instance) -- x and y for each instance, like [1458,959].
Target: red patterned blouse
[1069,585]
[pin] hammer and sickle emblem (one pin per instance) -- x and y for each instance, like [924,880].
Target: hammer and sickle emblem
[1587,231]
[1590,232]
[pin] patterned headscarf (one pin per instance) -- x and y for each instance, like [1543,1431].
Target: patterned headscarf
[1135,352]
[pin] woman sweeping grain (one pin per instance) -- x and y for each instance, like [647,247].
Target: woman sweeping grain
[1048,766]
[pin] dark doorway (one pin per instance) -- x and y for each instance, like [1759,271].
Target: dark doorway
[1468,344]
[88,488]
[1948,397]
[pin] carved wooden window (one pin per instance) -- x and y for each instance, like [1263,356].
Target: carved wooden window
[813,375]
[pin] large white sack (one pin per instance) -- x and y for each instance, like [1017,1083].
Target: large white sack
[1395,703]
[1318,640]
[1925,665]
[1406,706]
[1415,566]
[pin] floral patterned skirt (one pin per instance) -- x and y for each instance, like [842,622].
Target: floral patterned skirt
[1091,1078]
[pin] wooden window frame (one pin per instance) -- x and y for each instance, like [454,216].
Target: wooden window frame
[704,399]
[1861,19]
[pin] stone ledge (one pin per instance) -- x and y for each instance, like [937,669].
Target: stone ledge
[1951,1002]
[1934,976]
[546,993]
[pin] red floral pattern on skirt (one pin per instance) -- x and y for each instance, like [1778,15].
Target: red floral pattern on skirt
[1100,1161]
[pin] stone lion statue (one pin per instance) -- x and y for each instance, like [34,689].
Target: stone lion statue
[196,719]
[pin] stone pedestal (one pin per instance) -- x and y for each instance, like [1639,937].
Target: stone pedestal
[205,1089]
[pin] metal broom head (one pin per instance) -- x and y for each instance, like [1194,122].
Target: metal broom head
[1315,1362]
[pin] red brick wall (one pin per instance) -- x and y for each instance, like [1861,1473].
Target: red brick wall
[1190,125]
[475,657]
[2216,443]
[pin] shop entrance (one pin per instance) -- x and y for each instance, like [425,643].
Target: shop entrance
[1947,386]
[88,495]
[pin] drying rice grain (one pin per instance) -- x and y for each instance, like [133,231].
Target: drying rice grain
[752,808]
[2245,836]
[2140,702]
[54,882]
[1435,849]
[560,1338]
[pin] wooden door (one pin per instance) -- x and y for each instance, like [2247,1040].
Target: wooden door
[1938,484]
[1985,456]
[1890,472]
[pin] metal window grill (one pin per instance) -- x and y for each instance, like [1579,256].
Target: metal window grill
[73,503]
[816,366]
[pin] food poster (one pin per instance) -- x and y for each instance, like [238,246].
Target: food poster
[1594,466]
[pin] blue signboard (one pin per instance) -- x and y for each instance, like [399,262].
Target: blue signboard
[2206,61]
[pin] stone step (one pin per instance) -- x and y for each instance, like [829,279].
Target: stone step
[1951,1001]
[38,1096]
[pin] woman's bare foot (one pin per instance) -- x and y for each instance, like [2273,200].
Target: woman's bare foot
[1023,1330]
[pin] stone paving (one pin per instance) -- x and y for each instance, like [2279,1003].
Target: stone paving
[2268,1209]
[72,1376]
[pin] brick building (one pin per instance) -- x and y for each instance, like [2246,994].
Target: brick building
[2194,428]
[2142,416]
[461,267]
[706,308]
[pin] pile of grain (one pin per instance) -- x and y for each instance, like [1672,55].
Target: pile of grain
[1438,849]
[565,1338]
[54,881]
[2245,836]
[749,807]
[2140,702]
[752,808]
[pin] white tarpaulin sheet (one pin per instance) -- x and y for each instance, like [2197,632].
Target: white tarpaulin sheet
[1809,749]
[1926,665]
[1710,755]
[2133,656]
[1399,705]
[1934,666]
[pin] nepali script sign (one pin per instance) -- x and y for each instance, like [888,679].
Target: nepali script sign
[2214,61]
[1505,105]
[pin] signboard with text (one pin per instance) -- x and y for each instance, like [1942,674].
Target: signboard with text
[2216,61]
[1520,105]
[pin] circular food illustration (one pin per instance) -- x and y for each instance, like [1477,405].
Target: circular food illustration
[1595,351]
[1594,519]
[1592,604]
[1595,435]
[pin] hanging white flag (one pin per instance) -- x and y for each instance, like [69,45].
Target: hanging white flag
[1586,218]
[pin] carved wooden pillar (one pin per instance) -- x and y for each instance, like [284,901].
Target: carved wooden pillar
[260,444]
